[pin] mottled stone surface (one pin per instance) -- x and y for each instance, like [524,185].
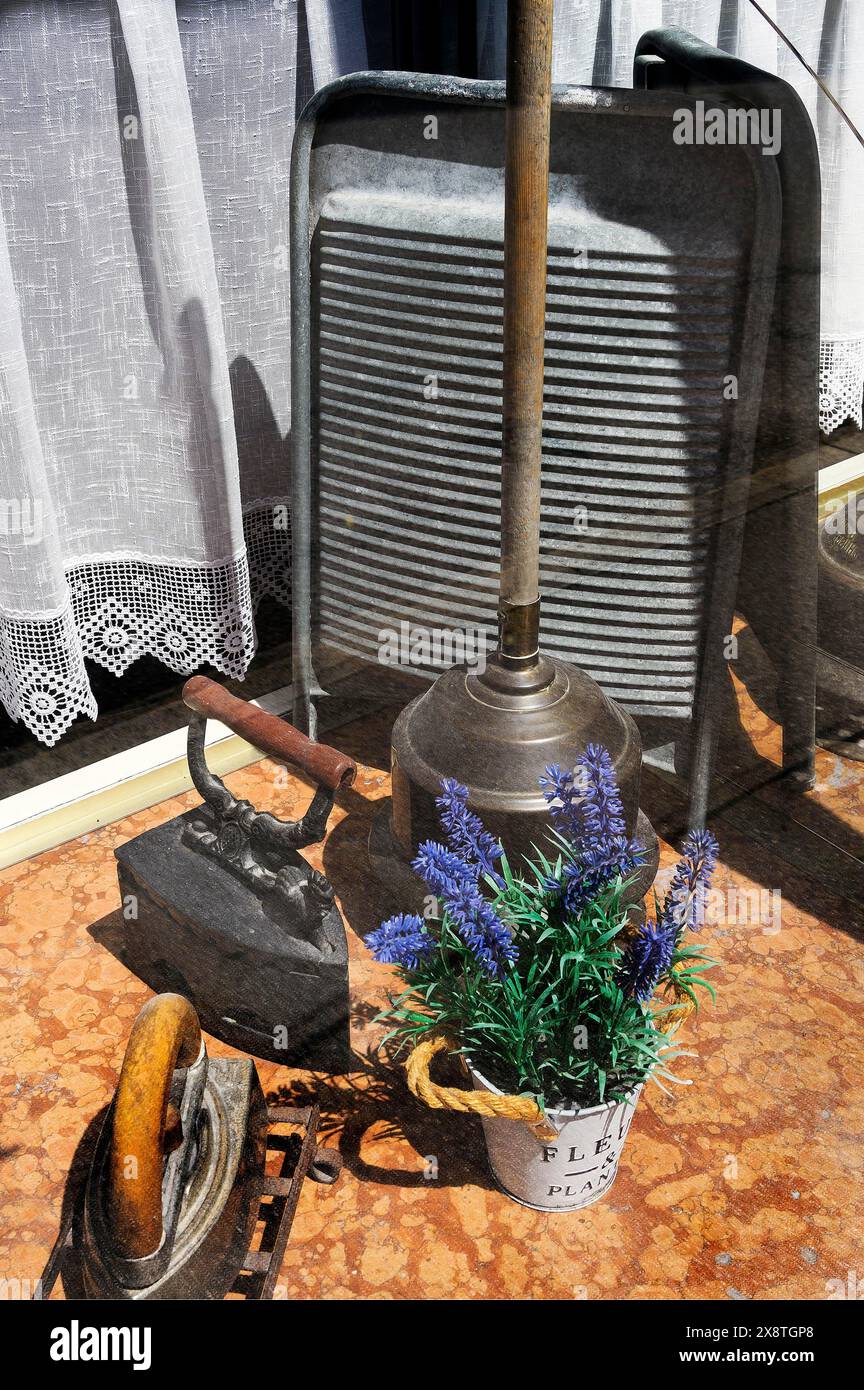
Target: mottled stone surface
[745,1182]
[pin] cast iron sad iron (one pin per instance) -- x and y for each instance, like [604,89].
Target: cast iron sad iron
[147,1233]
[174,1191]
[220,907]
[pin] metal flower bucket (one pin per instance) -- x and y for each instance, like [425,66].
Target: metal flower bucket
[557,1160]
[567,1171]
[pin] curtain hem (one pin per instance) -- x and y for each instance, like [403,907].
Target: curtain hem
[841,382]
[186,616]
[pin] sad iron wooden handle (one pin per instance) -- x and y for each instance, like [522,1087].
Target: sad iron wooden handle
[274,736]
[165,1035]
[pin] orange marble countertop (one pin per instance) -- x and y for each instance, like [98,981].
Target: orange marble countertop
[743,1183]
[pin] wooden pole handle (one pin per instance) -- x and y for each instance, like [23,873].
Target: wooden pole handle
[274,736]
[165,1035]
[526,197]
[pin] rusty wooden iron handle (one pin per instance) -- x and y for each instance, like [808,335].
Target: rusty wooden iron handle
[165,1035]
[484,1103]
[274,736]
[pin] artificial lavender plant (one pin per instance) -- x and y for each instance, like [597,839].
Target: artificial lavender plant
[540,975]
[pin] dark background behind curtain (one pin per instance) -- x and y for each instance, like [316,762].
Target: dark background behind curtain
[422,36]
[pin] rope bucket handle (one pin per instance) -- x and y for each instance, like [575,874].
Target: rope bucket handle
[677,1013]
[483,1103]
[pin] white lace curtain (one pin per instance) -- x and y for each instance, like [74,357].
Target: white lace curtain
[144,347]
[594,45]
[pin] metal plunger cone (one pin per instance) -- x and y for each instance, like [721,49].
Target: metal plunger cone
[497,731]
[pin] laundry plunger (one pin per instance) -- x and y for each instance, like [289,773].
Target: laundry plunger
[497,730]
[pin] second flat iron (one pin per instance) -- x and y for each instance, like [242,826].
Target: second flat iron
[220,906]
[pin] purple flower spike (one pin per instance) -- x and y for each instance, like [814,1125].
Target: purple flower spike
[401,940]
[455,883]
[684,905]
[586,808]
[441,869]
[647,959]
[601,805]
[466,834]
[563,801]
[599,866]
